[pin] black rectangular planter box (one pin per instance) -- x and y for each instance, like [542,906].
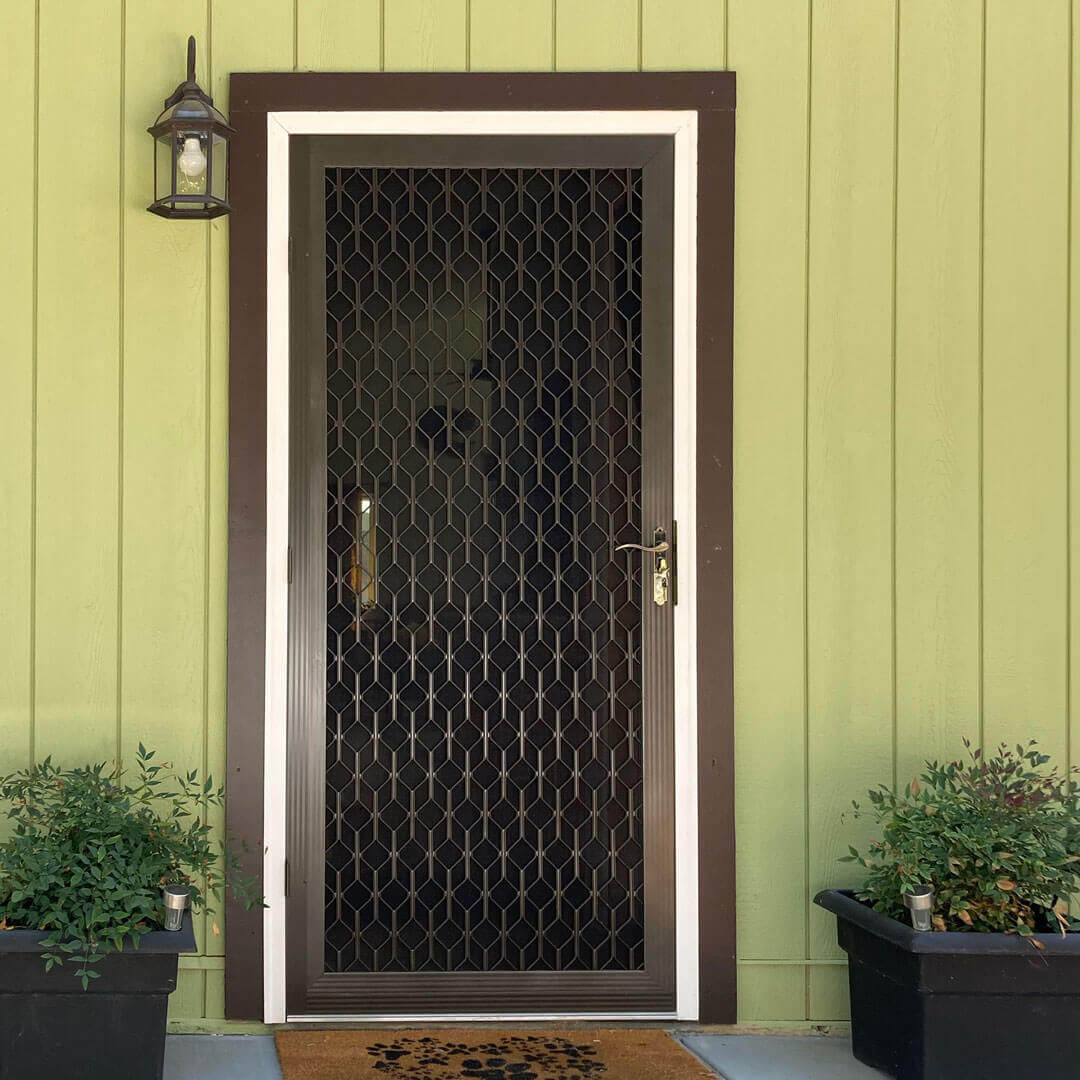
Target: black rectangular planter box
[958,1006]
[51,1029]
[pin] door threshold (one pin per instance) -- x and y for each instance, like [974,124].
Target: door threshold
[477,1018]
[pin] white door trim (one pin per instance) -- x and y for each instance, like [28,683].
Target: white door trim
[682,125]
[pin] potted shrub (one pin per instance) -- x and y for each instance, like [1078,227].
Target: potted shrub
[85,966]
[993,988]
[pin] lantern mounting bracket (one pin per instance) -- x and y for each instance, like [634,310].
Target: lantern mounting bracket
[189,87]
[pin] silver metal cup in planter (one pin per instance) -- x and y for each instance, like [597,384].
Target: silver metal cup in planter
[920,905]
[176,898]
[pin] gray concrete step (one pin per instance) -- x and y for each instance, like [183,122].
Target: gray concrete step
[221,1057]
[779,1057]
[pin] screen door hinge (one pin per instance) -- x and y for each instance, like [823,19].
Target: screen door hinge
[290,254]
[289,565]
[288,878]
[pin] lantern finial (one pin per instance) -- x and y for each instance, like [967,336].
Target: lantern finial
[191,59]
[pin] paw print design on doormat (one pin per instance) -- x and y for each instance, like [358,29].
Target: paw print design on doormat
[513,1057]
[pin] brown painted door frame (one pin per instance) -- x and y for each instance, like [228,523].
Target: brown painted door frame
[712,95]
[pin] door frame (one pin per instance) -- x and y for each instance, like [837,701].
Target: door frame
[697,111]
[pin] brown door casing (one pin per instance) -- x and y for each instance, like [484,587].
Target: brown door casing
[712,95]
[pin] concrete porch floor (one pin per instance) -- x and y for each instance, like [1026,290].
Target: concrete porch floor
[733,1057]
[778,1057]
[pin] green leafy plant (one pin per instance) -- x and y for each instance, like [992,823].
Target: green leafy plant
[92,848]
[997,838]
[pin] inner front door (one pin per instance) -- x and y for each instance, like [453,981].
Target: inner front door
[481,794]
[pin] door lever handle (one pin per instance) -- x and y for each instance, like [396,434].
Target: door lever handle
[663,578]
[654,549]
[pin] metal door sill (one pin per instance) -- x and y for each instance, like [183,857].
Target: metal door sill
[474,1018]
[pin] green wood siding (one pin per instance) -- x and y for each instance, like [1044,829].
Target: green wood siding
[903,386]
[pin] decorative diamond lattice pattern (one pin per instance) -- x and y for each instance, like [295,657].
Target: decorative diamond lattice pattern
[484,703]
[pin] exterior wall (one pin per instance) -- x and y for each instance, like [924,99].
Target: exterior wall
[904,521]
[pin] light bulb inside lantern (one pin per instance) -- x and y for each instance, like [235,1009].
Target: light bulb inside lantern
[191,168]
[192,160]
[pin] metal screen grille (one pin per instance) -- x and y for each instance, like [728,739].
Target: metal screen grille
[484,699]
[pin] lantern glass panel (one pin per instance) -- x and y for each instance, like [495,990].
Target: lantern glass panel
[163,166]
[191,162]
[219,169]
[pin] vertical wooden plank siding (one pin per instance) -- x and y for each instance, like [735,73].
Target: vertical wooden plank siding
[827,991]
[1024,358]
[214,1008]
[339,35]
[692,34]
[164,520]
[78,371]
[849,444]
[18,74]
[189,997]
[1073,330]
[906,509]
[597,35]
[426,35]
[939,165]
[767,991]
[511,37]
[767,40]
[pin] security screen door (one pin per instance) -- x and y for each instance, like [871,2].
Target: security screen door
[481,801]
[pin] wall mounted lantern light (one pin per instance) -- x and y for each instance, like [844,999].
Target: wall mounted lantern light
[191,153]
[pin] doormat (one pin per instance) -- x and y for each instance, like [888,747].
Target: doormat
[486,1054]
